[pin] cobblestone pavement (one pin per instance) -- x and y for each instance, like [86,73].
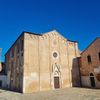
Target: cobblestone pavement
[61,94]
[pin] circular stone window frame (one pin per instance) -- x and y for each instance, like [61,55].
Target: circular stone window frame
[56,53]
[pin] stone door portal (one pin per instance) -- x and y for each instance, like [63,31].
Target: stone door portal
[56,82]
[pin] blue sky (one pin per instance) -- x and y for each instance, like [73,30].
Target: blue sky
[77,20]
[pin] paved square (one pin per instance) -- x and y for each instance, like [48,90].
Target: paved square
[61,94]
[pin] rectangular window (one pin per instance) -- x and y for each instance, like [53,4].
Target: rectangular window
[99,55]
[89,59]
[22,54]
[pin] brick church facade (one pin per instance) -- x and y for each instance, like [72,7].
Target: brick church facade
[90,65]
[39,62]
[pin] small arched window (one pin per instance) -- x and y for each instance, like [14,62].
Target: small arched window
[91,74]
[89,59]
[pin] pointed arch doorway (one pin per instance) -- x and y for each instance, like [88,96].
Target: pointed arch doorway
[92,80]
[56,76]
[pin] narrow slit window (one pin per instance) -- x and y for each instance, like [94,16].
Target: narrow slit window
[22,45]
[13,52]
[18,48]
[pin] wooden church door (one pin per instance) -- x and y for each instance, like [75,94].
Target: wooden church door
[56,82]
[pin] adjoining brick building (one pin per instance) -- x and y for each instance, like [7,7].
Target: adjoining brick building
[37,62]
[90,65]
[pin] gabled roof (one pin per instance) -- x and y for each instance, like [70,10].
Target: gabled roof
[38,35]
[90,44]
[59,34]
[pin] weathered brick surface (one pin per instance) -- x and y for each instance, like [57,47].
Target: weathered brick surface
[86,68]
